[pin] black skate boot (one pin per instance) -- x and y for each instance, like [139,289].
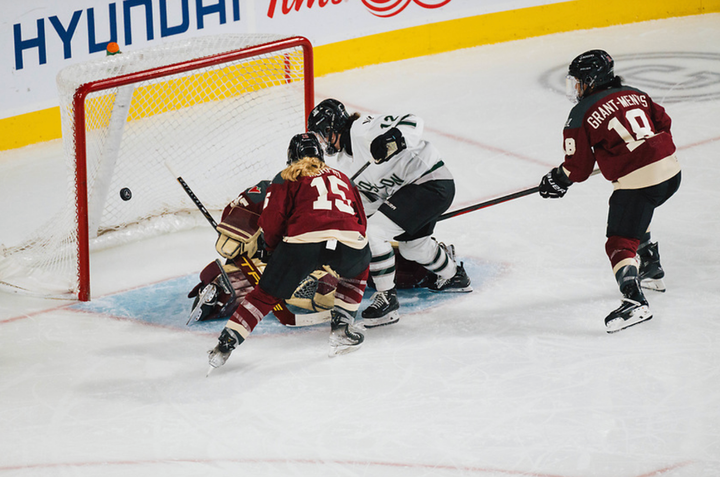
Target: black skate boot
[383,310]
[651,271]
[345,337]
[458,283]
[634,308]
[228,340]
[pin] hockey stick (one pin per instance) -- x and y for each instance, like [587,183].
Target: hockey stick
[482,205]
[497,200]
[360,171]
[243,262]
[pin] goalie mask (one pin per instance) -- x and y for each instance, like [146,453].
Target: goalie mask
[588,72]
[304,145]
[328,119]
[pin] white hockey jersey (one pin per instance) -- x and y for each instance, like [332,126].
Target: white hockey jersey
[417,164]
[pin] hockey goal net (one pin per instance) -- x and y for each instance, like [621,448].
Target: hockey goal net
[219,111]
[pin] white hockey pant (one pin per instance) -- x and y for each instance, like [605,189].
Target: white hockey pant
[425,251]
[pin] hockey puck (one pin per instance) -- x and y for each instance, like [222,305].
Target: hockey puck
[125,193]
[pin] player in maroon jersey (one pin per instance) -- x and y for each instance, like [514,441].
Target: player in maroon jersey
[313,217]
[628,135]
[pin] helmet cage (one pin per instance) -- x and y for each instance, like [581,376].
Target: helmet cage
[573,90]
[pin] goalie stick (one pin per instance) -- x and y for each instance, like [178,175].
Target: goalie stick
[243,262]
[497,200]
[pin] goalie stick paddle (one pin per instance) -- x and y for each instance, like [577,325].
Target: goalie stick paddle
[243,262]
[497,200]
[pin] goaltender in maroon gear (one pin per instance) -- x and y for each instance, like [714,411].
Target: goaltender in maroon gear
[313,218]
[628,135]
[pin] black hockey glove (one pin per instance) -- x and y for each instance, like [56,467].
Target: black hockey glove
[262,253]
[387,145]
[554,184]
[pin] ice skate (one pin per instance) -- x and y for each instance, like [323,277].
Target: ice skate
[651,271]
[383,310]
[634,310]
[228,340]
[458,283]
[204,303]
[345,337]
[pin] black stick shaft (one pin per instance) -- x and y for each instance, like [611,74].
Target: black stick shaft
[482,205]
[498,200]
[197,202]
[360,171]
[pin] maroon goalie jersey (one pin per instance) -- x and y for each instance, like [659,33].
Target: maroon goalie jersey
[621,129]
[251,199]
[315,208]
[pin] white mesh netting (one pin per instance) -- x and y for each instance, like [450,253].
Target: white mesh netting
[222,128]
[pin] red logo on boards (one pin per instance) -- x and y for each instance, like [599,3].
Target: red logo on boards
[379,8]
[390,8]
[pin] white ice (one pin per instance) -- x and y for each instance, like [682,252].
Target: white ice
[518,378]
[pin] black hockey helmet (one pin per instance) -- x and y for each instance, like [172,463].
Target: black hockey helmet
[590,70]
[304,145]
[330,116]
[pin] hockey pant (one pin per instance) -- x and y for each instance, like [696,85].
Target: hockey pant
[425,250]
[629,216]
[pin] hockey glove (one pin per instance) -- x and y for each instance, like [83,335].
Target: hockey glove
[554,184]
[387,145]
[239,231]
[262,253]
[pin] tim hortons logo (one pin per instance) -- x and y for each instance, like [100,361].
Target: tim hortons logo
[379,8]
[289,5]
[390,8]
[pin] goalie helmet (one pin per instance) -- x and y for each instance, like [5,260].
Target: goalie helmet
[588,72]
[304,145]
[327,119]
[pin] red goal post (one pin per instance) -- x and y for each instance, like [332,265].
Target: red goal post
[222,116]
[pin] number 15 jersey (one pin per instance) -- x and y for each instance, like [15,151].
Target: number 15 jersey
[626,133]
[314,208]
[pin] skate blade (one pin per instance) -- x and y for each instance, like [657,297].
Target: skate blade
[466,289]
[653,284]
[618,324]
[340,349]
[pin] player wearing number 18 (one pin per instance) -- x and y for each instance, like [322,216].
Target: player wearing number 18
[628,135]
[313,219]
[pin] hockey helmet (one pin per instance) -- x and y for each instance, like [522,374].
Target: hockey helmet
[588,72]
[304,145]
[328,117]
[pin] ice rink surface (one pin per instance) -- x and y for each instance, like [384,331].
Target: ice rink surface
[518,378]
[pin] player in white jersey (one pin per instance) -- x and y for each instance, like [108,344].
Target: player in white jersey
[405,189]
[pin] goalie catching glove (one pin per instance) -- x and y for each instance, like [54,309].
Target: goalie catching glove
[387,145]
[239,232]
[554,184]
